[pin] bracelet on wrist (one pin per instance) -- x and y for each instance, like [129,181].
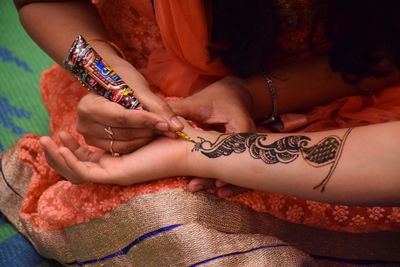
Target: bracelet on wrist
[274,100]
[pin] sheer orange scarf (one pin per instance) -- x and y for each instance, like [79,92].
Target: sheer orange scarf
[184,66]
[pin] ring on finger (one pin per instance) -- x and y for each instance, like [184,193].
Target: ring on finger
[114,154]
[109,132]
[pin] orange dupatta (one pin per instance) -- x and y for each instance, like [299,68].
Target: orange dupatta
[183,67]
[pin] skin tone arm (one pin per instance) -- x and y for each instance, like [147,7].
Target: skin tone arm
[304,84]
[132,129]
[347,166]
[300,86]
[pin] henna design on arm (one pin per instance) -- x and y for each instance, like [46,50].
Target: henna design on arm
[330,154]
[285,150]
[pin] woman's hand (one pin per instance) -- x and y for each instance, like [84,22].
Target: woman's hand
[225,102]
[131,128]
[153,161]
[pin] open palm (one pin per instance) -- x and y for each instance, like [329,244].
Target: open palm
[78,164]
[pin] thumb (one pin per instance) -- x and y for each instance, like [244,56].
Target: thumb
[156,105]
[180,107]
[191,109]
[240,122]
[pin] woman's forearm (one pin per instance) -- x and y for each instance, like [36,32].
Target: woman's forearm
[55,25]
[354,166]
[303,84]
[358,166]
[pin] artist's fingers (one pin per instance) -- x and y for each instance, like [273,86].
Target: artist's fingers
[96,130]
[98,109]
[122,147]
[234,118]
[191,110]
[158,106]
[87,171]
[198,184]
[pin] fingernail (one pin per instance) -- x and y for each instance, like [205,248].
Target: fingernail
[175,121]
[161,126]
[170,135]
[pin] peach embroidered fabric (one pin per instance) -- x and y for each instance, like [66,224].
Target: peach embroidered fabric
[54,203]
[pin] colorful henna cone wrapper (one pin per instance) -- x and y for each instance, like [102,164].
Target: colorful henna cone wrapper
[93,72]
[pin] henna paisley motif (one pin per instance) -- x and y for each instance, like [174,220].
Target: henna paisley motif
[284,150]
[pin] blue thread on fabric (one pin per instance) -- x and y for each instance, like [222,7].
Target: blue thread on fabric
[6,55]
[127,248]
[237,253]
[5,179]
[355,261]
[7,111]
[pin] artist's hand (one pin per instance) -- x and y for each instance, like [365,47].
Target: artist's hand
[224,103]
[227,103]
[132,128]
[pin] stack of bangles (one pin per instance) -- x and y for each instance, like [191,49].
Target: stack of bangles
[93,72]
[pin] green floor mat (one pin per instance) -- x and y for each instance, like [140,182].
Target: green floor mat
[21,111]
[21,62]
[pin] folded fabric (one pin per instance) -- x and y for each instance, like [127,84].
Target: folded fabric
[174,227]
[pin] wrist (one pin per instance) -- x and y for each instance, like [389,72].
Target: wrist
[126,71]
[105,50]
[111,56]
[114,57]
[197,164]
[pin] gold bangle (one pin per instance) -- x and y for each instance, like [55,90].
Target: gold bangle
[113,45]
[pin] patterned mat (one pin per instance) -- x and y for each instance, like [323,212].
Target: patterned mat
[21,63]
[21,111]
